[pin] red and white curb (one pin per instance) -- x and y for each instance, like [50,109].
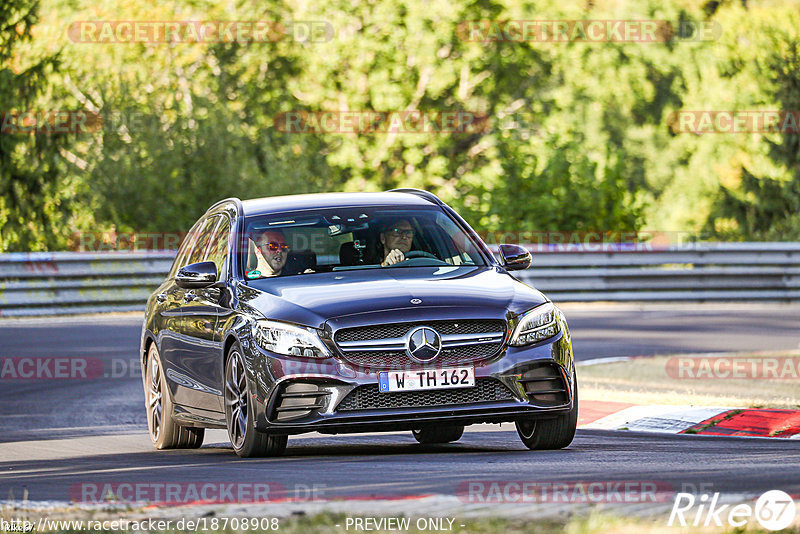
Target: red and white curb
[719,421]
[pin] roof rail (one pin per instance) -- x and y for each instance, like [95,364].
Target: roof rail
[427,195]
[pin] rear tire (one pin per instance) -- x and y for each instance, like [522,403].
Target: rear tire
[247,442]
[164,431]
[438,434]
[548,434]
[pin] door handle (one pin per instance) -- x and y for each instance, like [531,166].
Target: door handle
[161,297]
[189,297]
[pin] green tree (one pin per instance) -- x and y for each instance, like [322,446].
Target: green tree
[187,124]
[578,136]
[35,196]
[767,206]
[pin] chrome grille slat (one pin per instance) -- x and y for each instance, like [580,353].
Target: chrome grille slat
[397,343]
[481,341]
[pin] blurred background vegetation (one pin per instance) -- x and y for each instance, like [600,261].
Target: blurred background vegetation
[579,140]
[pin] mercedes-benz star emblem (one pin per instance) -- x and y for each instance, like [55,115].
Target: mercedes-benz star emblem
[424,344]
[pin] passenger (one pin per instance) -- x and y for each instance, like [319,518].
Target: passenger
[272,252]
[396,241]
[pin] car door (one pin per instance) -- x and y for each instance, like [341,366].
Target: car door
[201,312]
[169,301]
[189,345]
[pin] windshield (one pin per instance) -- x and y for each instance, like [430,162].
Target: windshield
[340,239]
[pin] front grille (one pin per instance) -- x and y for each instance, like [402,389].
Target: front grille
[397,357]
[368,397]
[383,331]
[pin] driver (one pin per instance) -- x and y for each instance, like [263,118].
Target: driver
[396,240]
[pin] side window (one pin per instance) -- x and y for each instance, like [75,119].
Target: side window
[218,247]
[203,240]
[186,248]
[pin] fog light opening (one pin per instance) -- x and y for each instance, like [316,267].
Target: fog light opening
[545,386]
[298,400]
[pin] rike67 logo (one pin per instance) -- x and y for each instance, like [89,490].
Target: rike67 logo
[774,510]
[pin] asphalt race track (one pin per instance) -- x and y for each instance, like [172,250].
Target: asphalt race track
[391,465]
[57,434]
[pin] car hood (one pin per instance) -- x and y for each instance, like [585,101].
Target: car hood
[385,295]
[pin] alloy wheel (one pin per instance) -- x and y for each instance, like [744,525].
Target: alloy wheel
[154,397]
[236,399]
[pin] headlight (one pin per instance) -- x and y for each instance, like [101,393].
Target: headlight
[538,324]
[290,340]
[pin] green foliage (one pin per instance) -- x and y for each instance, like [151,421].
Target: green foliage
[36,193]
[767,203]
[578,136]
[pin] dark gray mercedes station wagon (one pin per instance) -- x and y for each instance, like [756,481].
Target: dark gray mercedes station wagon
[341,312]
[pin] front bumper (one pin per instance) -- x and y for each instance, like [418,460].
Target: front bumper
[318,390]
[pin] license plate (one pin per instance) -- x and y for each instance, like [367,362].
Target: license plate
[453,377]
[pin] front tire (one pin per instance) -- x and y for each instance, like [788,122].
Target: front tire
[548,434]
[247,442]
[165,432]
[438,434]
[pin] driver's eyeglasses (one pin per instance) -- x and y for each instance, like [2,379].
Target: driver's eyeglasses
[275,247]
[402,232]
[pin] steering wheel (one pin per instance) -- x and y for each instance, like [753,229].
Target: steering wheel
[411,254]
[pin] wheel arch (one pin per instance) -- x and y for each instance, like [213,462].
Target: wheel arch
[149,339]
[230,339]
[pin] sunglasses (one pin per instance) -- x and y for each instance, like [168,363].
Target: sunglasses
[275,247]
[402,232]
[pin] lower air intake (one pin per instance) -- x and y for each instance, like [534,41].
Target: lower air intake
[369,398]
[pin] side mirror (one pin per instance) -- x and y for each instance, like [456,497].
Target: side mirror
[515,258]
[197,275]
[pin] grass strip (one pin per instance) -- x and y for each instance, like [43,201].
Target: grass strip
[653,380]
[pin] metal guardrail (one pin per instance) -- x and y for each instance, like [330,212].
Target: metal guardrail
[54,283]
[50,283]
[693,272]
